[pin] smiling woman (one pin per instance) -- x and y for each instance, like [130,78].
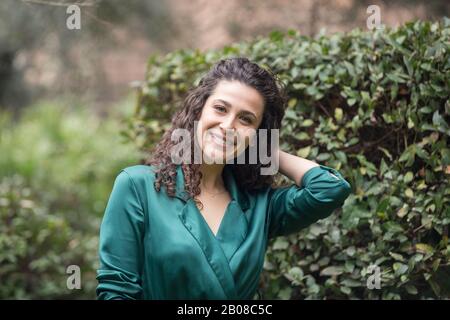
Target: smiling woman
[200,230]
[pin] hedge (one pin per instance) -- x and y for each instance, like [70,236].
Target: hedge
[57,168]
[374,105]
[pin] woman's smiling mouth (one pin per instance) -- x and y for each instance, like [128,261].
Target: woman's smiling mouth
[220,141]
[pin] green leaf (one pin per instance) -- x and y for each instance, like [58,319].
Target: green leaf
[351,251]
[396,256]
[425,110]
[409,176]
[346,290]
[304,152]
[332,271]
[402,211]
[411,289]
[435,287]
[351,101]
[280,244]
[302,136]
[436,264]
[395,77]
[338,114]
[292,103]
[424,248]
[438,120]
[408,65]
[386,152]
[323,157]
[307,123]
[296,273]
[409,193]
[351,283]
[393,227]
[399,268]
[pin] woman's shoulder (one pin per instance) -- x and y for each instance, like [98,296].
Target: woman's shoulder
[139,169]
[140,173]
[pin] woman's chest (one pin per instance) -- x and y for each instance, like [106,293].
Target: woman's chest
[176,227]
[213,210]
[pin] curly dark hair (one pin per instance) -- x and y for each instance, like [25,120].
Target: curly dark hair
[249,73]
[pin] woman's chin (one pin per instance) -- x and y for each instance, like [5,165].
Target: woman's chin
[217,158]
[216,155]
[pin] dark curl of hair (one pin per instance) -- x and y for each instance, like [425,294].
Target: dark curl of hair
[249,73]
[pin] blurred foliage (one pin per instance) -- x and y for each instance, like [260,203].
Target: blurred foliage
[57,166]
[373,105]
[39,28]
[24,25]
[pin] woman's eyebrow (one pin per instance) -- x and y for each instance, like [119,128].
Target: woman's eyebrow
[223,101]
[229,105]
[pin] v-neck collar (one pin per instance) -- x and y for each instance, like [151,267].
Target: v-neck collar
[232,231]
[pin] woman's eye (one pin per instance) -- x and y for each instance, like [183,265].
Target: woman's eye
[219,108]
[247,120]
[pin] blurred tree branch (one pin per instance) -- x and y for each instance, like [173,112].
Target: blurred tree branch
[63,4]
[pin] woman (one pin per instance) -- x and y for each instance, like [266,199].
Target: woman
[194,230]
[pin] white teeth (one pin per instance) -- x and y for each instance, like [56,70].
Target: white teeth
[219,140]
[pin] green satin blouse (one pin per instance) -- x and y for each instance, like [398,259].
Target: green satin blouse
[156,247]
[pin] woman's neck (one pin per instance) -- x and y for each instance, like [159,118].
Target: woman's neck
[212,177]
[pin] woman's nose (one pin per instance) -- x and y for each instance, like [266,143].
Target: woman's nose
[227,123]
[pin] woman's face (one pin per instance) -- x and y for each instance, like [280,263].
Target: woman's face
[233,112]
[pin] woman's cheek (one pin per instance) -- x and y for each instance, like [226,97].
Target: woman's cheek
[202,137]
[250,136]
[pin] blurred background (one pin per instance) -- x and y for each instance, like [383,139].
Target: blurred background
[41,58]
[64,94]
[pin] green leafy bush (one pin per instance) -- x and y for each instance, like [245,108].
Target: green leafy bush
[373,105]
[57,167]
[37,245]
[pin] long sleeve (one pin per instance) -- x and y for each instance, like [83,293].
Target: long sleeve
[121,243]
[292,208]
